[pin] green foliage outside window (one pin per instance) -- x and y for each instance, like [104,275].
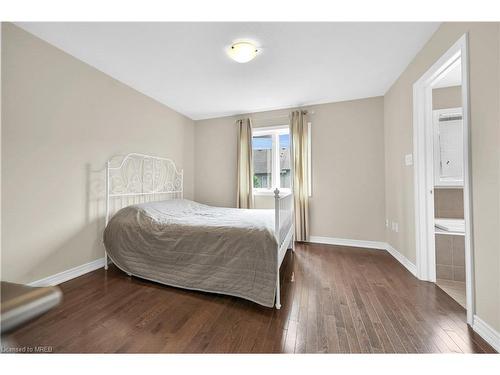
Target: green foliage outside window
[256,182]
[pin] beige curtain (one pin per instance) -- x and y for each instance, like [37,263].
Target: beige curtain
[244,198]
[298,130]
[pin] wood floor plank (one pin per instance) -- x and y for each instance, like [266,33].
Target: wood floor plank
[334,300]
[352,336]
[383,343]
[355,310]
[379,341]
[340,326]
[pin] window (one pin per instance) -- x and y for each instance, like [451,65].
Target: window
[271,159]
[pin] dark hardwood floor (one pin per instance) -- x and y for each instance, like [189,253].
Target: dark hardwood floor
[335,300]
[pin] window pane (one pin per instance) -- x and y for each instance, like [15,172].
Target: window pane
[262,161]
[285,170]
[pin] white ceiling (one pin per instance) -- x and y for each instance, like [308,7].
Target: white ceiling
[184,65]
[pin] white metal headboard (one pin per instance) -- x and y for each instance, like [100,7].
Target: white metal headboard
[137,178]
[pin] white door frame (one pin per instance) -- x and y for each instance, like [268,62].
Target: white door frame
[424,169]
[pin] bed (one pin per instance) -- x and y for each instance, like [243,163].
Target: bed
[152,232]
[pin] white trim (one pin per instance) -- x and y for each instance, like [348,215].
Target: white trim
[72,273]
[402,259]
[487,332]
[376,245]
[469,235]
[348,242]
[424,175]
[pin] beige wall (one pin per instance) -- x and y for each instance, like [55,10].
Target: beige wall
[447,97]
[215,161]
[485,128]
[347,166]
[498,191]
[61,121]
[0,146]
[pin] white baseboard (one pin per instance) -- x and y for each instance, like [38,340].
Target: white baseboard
[378,245]
[402,259]
[488,333]
[348,242]
[72,273]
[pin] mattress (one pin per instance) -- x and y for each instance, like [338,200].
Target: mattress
[194,246]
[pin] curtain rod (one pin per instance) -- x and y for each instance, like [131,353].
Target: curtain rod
[305,112]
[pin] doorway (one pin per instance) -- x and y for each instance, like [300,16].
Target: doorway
[443,220]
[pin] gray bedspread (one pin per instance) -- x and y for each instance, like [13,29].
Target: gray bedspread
[190,245]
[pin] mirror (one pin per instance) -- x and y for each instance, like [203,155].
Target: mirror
[448,147]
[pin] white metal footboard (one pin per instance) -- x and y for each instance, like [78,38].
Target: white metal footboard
[283,231]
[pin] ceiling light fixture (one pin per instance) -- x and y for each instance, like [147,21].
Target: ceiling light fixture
[242,52]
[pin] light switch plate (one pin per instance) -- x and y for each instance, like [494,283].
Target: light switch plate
[409,159]
[394,226]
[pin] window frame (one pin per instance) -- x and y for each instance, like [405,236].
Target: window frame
[275,132]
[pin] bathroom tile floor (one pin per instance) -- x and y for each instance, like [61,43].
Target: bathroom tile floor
[455,289]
